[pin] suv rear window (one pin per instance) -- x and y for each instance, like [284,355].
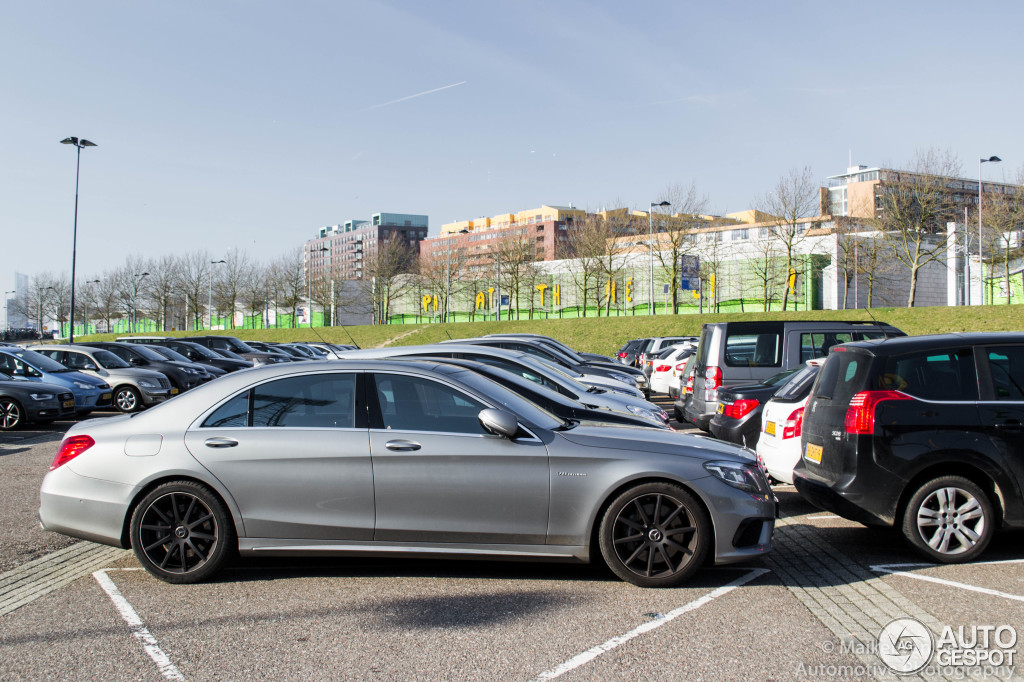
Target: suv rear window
[842,376]
[753,350]
[932,375]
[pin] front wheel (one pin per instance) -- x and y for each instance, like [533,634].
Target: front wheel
[655,535]
[127,399]
[182,533]
[11,414]
[949,519]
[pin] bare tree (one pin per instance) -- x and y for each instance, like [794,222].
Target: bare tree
[764,269]
[913,209]
[795,197]
[513,252]
[385,264]
[588,244]
[193,280]
[674,237]
[443,271]
[230,283]
[163,288]
[1003,223]
[291,281]
[255,291]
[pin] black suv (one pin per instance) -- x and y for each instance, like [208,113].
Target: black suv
[923,433]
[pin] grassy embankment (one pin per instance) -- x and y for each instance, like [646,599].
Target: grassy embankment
[605,335]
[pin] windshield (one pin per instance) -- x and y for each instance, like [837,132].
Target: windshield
[198,350]
[107,360]
[148,352]
[170,354]
[40,361]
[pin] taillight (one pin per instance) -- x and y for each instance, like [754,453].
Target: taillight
[681,366]
[794,424]
[662,368]
[71,447]
[740,408]
[712,378]
[623,354]
[689,383]
[860,416]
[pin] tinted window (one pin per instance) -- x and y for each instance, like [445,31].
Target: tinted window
[799,384]
[107,360]
[753,350]
[144,351]
[843,375]
[233,413]
[932,375]
[1007,368]
[818,344]
[40,361]
[313,401]
[79,360]
[410,403]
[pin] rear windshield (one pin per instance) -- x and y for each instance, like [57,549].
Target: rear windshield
[843,375]
[798,385]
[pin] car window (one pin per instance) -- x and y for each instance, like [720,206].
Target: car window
[932,375]
[312,401]
[411,403]
[818,344]
[123,353]
[798,385]
[232,414]
[753,350]
[842,376]
[105,359]
[1006,365]
[78,360]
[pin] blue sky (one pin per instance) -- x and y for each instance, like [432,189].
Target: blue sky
[248,125]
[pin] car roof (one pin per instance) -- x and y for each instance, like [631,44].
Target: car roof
[899,344]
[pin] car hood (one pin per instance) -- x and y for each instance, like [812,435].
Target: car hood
[659,441]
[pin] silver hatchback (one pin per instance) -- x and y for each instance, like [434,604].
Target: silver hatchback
[372,457]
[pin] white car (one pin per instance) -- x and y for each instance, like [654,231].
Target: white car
[778,447]
[666,370]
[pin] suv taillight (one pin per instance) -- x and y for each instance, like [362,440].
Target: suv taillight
[860,416]
[623,354]
[689,383]
[740,408]
[662,368]
[794,424]
[71,447]
[712,378]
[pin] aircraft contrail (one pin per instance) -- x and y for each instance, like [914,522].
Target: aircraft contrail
[418,94]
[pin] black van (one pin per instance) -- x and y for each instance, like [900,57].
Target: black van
[735,353]
[922,433]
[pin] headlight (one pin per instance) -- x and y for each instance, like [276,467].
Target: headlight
[148,383]
[747,477]
[42,396]
[623,378]
[84,386]
[189,370]
[642,412]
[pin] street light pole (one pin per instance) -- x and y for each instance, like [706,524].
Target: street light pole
[981,262]
[650,231]
[213,262]
[74,235]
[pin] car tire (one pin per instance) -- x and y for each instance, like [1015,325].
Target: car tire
[655,535]
[181,532]
[949,519]
[127,399]
[12,416]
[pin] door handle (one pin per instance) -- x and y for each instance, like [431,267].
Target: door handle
[1012,425]
[221,442]
[402,445]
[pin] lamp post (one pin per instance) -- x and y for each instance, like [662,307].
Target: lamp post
[133,323]
[981,262]
[85,328]
[213,262]
[7,319]
[650,231]
[79,143]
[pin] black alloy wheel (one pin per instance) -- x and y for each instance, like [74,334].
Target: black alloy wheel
[11,416]
[182,533]
[655,535]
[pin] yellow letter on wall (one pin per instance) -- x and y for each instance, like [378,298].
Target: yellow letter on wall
[426,303]
[541,288]
[481,300]
[629,290]
[556,295]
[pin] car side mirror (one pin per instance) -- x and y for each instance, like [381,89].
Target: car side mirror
[499,422]
[90,366]
[33,372]
[137,361]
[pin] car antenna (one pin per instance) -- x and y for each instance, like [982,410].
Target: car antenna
[448,335]
[345,329]
[885,334]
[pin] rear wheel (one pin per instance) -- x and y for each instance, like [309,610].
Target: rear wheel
[127,399]
[11,414]
[182,533]
[949,519]
[655,535]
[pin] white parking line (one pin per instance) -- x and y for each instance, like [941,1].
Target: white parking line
[153,650]
[895,569]
[592,653]
[824,516]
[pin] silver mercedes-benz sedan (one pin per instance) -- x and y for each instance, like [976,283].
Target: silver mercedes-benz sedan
[417,458]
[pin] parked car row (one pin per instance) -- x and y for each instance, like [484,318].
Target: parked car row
[923,434]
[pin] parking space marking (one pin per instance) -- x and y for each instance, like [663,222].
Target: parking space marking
[592,653]
[149,643]
[823,516]
[896,569]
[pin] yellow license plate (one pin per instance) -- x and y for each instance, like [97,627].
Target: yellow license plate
[69,404]
[721,408]
[106,396]
[769,428]
[174,391]
[813,453]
